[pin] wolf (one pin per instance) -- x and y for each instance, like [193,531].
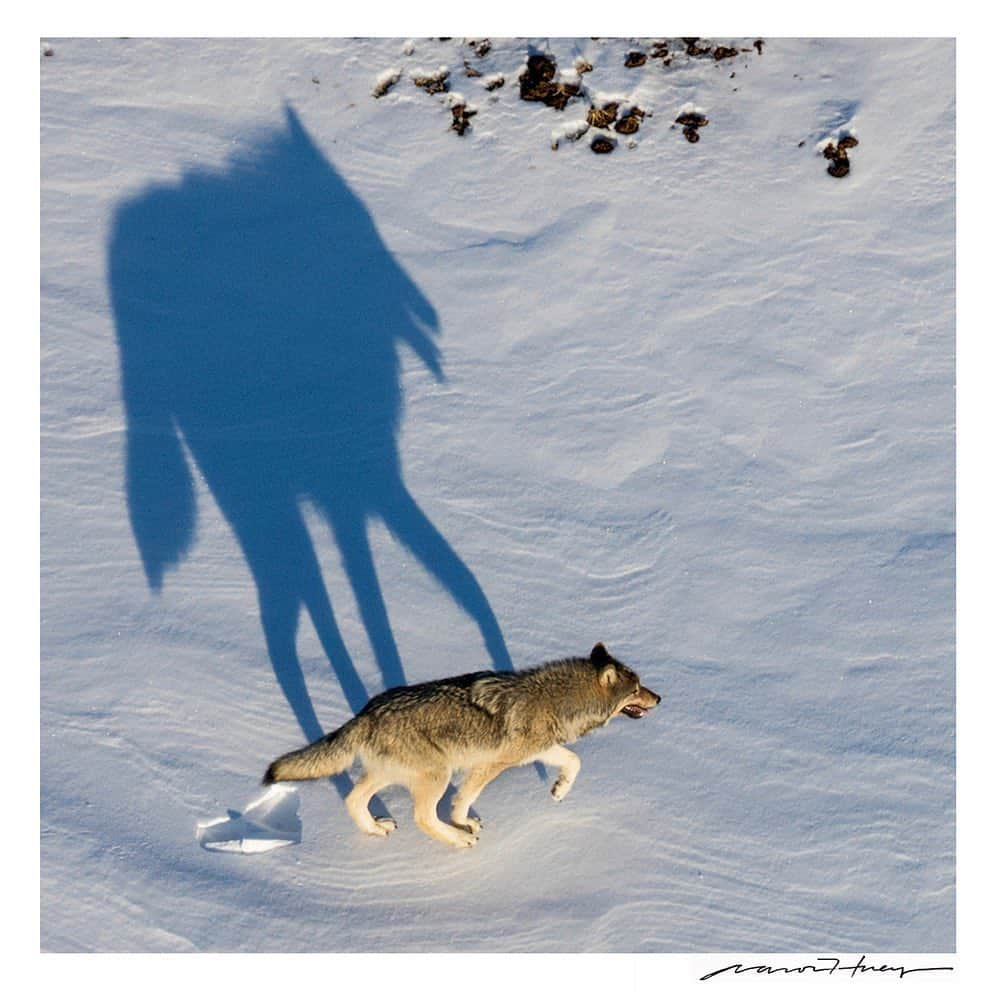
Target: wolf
[480,724]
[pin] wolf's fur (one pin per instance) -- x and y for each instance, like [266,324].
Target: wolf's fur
[480,724]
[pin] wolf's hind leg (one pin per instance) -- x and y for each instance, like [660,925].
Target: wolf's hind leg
[427,790]
[357,806]
[475,781]
[569,767]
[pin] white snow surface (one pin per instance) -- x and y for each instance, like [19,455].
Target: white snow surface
[696,401]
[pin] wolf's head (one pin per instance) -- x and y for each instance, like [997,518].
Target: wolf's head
[621,685]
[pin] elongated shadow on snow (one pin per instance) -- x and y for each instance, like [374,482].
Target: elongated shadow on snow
[259,316]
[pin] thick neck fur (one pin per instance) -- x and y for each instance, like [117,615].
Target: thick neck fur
[579,701]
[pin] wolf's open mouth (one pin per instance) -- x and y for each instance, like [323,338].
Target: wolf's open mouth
[634,711]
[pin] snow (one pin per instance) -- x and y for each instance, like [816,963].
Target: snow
[696,401]
[385,80]
[270,821]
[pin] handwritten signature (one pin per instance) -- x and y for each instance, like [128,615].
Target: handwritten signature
[831,966]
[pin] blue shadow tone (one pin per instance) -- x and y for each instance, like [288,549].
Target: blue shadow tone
[258,316]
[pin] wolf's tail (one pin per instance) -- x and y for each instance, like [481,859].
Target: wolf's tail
[329,755]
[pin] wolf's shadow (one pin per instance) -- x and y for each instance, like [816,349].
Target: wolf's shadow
[258,314]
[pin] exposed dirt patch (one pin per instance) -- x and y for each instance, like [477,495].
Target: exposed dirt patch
[627,125]
[538,83]
[540,80]
[602,117]
[839,165]
[460,116]
[696,50]
[539,69]
[433,83]
[699,48]
[692,119]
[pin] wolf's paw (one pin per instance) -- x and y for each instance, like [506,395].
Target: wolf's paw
[464,838]
[384,825]
[470,823]
[561,789]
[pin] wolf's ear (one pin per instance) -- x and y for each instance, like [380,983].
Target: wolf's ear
[599,656]
[609,675]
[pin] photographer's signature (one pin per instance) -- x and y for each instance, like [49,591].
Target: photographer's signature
[827,966]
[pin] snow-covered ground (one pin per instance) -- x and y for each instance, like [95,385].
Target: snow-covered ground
[692,399]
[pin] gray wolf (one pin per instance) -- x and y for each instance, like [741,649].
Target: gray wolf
[480,724]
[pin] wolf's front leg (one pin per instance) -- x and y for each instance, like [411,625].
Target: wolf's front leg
[569,767]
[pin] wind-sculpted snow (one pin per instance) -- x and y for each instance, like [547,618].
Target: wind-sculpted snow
[693,399]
